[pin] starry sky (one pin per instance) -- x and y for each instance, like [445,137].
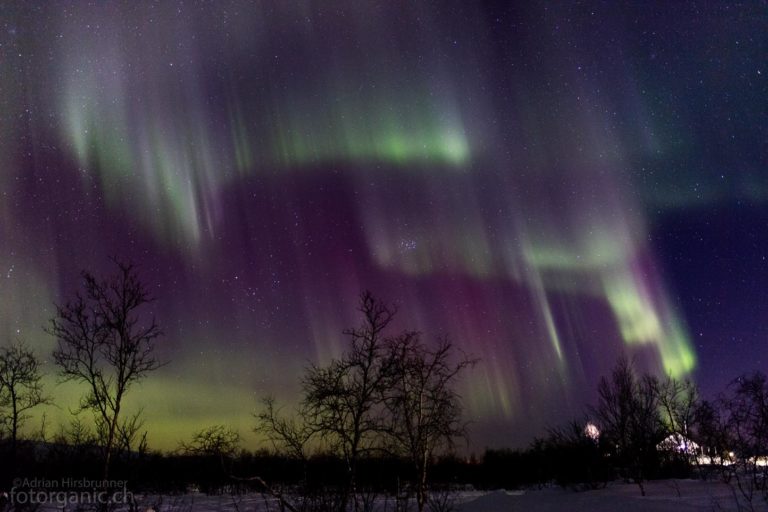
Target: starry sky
[551,184]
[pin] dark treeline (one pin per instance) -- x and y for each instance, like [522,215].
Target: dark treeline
[173,473]
[682,436]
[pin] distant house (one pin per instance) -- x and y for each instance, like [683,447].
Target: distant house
[678,443]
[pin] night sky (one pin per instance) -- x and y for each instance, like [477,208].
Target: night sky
[550,185]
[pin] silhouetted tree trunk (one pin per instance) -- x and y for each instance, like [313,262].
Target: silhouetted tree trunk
[710,431]
[343,400]
[103,342]
[424,409]
[289,436]
[21,388]
[678,401]
[746,420]
[628,413]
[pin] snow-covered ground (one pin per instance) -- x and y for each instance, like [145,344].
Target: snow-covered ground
[661,496]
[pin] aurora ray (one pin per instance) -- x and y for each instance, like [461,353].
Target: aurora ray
[535,181]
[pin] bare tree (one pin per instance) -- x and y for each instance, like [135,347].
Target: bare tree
[216,440]
[614,407]
[105,342]
[77,434]
[21,388]
[222,442]
[424,408]
[75,439]
[287,435]
[381,389]
[343,400]
[678,401]
[628,412]
[130,437]
[574,456]
[711,432]
[746,420]
[218,444]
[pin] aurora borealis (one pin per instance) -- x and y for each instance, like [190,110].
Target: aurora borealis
[550,185]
